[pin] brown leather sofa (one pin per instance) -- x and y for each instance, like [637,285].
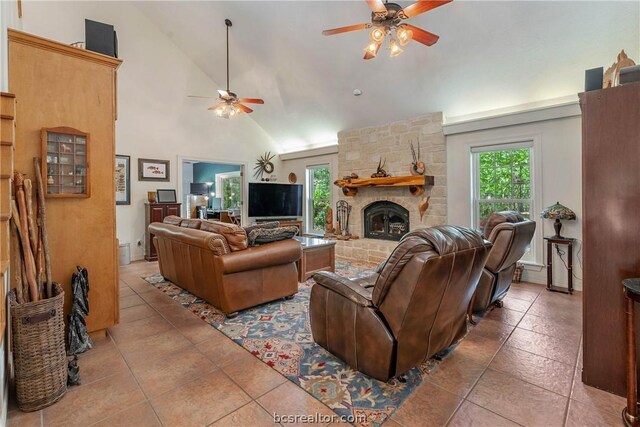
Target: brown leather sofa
[511,236]
[212,260]
[412,308]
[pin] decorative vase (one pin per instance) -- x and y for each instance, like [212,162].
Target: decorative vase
[50,180]
[151,196]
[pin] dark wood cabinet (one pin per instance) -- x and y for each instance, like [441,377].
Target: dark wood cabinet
[156,212]
[611,228]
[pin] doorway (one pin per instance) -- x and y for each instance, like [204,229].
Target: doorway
[212,189]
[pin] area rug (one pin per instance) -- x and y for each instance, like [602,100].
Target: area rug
[279,334]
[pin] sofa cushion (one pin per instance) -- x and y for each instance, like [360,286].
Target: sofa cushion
[190,223]
[235,235]
[270,224]
[172,220]
[260,236]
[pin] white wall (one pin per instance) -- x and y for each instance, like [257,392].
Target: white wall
[187,179]
[560,150]
[155,118]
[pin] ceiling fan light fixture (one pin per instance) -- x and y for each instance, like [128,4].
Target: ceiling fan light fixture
[371,50]
[394,48]
[377,35]
[404,35]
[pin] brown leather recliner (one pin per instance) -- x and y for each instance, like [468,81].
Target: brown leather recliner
[511,236]
[412,308]
[212,261]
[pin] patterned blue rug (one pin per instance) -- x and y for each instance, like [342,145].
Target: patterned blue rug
[279,334]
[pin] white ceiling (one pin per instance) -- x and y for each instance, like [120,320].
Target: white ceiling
[491,54]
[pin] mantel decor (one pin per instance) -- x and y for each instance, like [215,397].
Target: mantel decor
[416,183]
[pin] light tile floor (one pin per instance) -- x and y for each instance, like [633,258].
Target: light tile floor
[163,366]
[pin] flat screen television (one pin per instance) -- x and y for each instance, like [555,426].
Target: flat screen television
[275,200]
[199,188]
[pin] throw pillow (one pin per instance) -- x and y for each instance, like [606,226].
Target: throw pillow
[271,224]
[235,235]
[172,219]
[260,236]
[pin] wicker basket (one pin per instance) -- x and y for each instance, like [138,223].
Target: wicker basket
[39,351]
[517,273]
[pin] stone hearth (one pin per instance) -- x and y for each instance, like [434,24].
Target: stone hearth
[359,152]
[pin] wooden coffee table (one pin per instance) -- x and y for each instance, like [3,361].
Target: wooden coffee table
[317,255]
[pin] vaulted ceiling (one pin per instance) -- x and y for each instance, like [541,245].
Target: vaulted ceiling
[491,54]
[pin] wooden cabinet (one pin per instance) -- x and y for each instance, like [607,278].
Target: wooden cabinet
[59,85]
[611,247]
[156,212]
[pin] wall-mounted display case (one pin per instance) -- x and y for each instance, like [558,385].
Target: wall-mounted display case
[65,165]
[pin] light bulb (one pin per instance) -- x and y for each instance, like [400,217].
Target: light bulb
[395,48]
[371,50]
[404,35]
[377,35]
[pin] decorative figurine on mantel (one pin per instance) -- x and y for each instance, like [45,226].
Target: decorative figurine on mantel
[380,172]
[417,166]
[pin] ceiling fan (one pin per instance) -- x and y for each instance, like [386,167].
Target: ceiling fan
[388,17]
[230,106]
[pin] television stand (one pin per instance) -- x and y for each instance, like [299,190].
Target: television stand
[284,222]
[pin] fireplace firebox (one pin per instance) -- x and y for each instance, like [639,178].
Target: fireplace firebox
[385,220]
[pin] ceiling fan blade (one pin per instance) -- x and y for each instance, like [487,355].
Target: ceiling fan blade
[223,93]
[244,108]
[203,97]
[377,6]
[422,36]
[345,29]
[216,106]
[421,6]
[251,100]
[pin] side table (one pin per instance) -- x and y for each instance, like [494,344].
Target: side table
[557,240]
[631,289]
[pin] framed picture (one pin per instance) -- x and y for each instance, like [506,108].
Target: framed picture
[153,170]
[166,196]
[123,180]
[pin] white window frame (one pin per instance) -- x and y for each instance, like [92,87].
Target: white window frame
[534,256]
[309,197]
[219,188]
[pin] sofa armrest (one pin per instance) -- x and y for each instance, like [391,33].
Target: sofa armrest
[345,287]
[272,254]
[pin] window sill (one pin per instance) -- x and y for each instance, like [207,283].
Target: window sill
[532,264]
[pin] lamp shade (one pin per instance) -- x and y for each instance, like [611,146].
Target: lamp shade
[558,211]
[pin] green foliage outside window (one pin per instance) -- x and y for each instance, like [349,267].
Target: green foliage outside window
[231,190]
[505,182]
[321,197]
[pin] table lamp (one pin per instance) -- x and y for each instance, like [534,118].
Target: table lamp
[558,212]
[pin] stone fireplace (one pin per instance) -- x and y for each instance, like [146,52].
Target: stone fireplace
[385,220]
[360,150]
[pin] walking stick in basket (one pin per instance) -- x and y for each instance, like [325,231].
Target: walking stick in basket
[43,227]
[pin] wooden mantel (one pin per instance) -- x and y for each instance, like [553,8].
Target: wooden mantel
[416,183]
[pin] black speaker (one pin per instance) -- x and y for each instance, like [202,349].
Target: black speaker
[593,79]
[100,38]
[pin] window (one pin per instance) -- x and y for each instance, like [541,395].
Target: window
[503,180]
[318,198]
[229,189]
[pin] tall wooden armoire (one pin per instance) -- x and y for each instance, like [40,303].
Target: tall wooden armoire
[611,227]
[57,85]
